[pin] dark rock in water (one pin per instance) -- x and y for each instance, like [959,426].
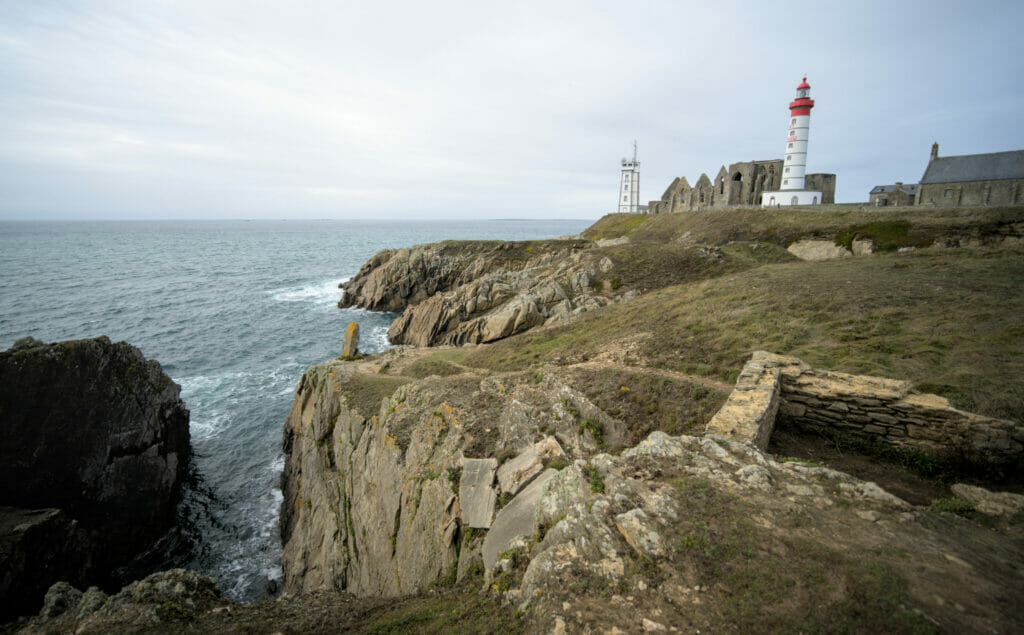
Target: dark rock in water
[98,432]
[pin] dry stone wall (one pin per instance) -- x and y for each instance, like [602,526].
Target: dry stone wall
[870,408]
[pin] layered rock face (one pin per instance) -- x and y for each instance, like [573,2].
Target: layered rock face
[98,432]
[379,480]
[457,293]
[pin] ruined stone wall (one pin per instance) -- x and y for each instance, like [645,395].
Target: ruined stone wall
[870,408]
[740,185]
[824,183]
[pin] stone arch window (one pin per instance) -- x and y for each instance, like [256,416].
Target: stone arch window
[702,196]
[738,177]
[721,186]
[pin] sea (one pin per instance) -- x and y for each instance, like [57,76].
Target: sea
[235,311]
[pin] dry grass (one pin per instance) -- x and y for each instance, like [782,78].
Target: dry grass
[948,320]
[786,225]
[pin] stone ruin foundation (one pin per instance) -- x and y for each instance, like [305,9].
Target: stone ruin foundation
[776,389]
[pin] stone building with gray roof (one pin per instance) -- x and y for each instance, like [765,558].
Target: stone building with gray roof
[896,194]
[996,178]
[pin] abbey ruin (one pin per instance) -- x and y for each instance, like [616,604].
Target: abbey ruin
[742,184]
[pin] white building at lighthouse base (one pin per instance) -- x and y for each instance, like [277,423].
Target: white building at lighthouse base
[790,197]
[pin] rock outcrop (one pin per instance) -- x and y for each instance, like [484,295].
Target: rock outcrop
[381,470]
[99,434]
[162,602]
[473,292]
[373,480]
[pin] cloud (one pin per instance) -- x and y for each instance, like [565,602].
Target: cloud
[197,109]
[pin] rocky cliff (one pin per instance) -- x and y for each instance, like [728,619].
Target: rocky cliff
[459,292]
[396,484]
[97,434]
[374,469]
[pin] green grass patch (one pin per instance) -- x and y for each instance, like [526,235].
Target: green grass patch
[463,611]
[595,429]
[647,402]
[757,580]
[595,478]
[886,235]
[428,366]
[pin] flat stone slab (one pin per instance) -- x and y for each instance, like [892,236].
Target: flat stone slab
[515,474]
[476,492]
[518,518]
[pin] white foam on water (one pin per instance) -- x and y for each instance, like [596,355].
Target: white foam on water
[203,428]
[379,338]
[321,292]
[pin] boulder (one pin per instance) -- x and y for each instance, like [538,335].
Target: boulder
[97,431]
[818,250]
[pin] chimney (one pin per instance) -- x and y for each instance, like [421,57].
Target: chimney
[935,152]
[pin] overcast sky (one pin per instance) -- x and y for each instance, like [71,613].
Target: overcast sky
[293,109]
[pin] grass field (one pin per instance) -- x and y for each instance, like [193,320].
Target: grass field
[948,320]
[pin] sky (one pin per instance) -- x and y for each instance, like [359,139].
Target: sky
[414,110]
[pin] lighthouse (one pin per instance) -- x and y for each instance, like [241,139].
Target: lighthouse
[794,168]
[629,185]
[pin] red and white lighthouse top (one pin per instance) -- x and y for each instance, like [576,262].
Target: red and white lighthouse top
[803,103]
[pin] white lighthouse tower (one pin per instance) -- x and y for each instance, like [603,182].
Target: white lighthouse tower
[794,168]
[629,187]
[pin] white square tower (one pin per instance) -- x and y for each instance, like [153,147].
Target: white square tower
[629,187]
